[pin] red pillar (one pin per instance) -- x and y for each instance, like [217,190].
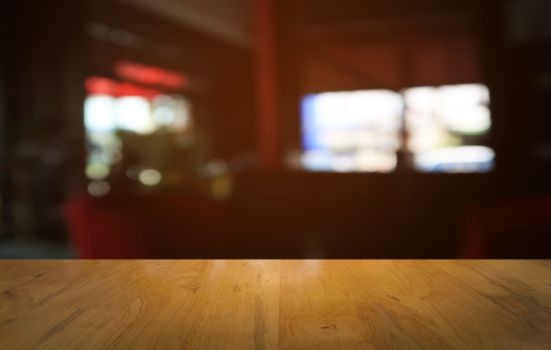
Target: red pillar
[265,55]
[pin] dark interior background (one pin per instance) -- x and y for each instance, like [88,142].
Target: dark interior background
[49,48]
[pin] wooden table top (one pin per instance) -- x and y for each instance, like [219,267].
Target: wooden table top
[275,304]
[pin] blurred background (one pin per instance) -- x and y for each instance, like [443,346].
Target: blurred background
[275,129]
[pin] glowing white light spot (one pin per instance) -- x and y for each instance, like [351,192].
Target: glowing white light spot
[150,177]
[134,114]
[466,159]
[97,171]
[99,188]
[99,113]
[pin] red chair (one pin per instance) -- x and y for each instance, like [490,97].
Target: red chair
[127,225]
[512,229]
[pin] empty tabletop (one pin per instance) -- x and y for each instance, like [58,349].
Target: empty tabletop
[275,304]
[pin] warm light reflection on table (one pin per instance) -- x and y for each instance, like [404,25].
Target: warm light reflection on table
[271,304]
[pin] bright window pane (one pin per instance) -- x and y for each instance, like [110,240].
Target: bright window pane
[99,113]
[351,131]
[448,127]
[134,114]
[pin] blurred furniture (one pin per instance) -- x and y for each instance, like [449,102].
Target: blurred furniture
[511,229]
[275,304]
[160,225]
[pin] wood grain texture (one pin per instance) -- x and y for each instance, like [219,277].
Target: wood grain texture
[273,304]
